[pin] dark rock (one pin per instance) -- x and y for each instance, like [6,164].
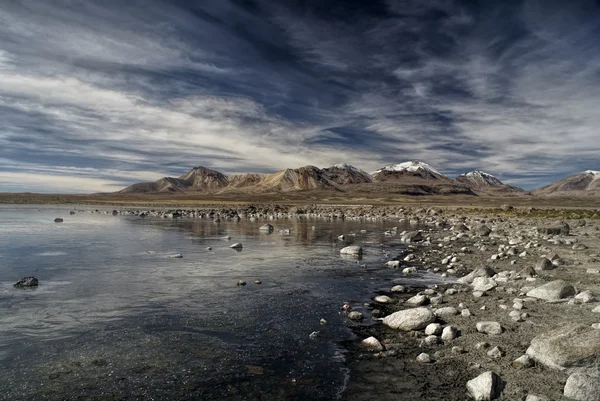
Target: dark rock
[27,282]
[558,228]
[58,220]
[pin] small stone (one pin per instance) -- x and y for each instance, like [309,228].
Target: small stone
[523,362]
[492,328]
[322,322]
[417,300]
[241,282]
[237,245]
[257,282]
[58,220]
[431,340]
[176,256]
[433,328]
[398,288]
[351,250]
[446,312]
[485,387]
[585,297]
[465,313]
[424,358]
[458,350]
[449,333]
[355,316]
[313,335]
[482,345]
[496,353]
[209,248]
[383,299]
[371,344]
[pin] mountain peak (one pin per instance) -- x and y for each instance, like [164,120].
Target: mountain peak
[479,178]
[414,166]
[344,173]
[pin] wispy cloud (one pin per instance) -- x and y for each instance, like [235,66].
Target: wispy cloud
[112,93]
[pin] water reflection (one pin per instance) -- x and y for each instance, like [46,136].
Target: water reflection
[119,315]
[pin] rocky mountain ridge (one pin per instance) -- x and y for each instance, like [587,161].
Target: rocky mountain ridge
[409,178]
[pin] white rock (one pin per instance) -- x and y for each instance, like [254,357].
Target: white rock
[383,299]
[536,397]
[409,270]
[449,333]
[398,288]
[585,297]
[488,327]
[485,387]
[446,312]
[484,284]
[393,263]
[237,245]
[496,353]
[433,329]
[176,256]
[409,319]
[371,344]
[583,387]
[351,250]
[465,313]
[417,300]
[552,291]
[424,358]
[523,362]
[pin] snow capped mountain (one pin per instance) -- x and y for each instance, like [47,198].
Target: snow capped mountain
[479,179]
[411,168]
[343,173]
[586,182]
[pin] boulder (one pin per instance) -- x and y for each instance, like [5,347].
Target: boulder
[409,319]
[583,387]
[25,282]
[351,250]
[485,387]
[383,299]
[569,345]
[482,271]
[552,291]
[557,228]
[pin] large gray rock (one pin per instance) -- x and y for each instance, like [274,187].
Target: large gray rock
[569,345]
[583,387]
[485,387]
[409,319]
[553,291]
[482,271]
[351,250]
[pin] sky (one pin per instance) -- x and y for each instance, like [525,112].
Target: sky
[97,95]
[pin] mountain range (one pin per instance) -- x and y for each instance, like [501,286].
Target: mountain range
[410,178]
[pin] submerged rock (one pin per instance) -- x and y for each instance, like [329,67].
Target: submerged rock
[58,220]
[351,250]
[25,282]
[266,228]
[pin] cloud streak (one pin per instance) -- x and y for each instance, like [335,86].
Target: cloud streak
[114,93]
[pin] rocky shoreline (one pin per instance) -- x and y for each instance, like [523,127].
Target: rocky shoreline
[519,320]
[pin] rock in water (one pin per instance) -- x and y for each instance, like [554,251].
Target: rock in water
[552,291]
[409,319]
[351,250]
[485,387]
[371,344]
[176,256]
[58,220]
[27,282]
[570,344]
[237,245]
[266,228]
[583,387]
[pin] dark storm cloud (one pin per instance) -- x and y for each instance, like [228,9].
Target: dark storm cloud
[95,95]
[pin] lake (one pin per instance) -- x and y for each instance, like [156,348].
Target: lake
[115,318]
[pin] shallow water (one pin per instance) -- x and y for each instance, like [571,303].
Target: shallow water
[115,318]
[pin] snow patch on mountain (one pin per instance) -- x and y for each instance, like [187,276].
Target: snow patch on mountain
[479,178]
[411,167]
[594,172]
